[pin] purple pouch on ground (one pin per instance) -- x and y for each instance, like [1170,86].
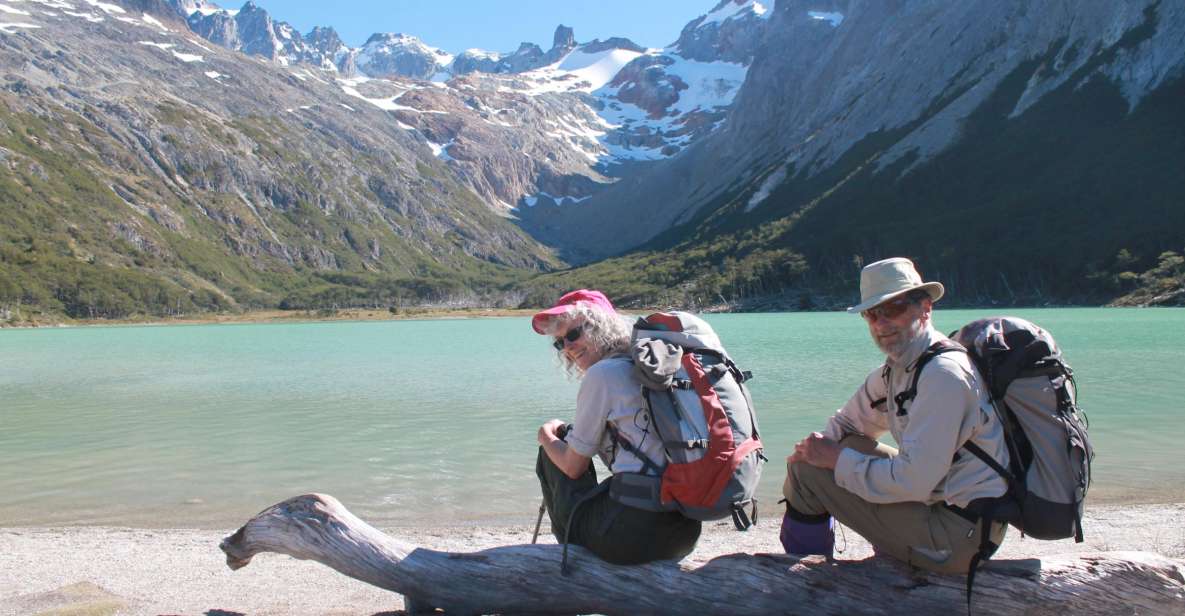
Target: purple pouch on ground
[807,538]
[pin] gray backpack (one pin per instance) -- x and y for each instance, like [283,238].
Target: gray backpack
[1035,393]
[1035,396]
[698,406]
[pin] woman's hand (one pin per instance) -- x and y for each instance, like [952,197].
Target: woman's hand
[571,463]
[547,432]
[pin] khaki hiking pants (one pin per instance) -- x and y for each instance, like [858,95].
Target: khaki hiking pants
[931,537]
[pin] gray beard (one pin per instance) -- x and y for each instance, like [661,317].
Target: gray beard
[898,349]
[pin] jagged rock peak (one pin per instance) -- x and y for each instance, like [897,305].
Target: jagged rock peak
[564,37]
[616,42]
[324,37]
[730,32]
[387,54]
[251,11]
[189,7]
[399,40]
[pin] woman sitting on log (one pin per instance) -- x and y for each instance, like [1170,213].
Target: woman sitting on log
[593,342]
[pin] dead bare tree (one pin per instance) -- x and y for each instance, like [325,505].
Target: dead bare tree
[526,579]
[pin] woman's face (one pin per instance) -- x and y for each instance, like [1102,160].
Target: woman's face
[580,351]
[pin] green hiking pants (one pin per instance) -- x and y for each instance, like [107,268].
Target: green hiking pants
[932,537]
[617,534]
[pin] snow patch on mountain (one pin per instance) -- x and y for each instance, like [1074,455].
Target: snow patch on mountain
[532,200]
[110,9]
[152,21]
[53,4]
[830,17]
[699,88]
[210,9]
[91,17]
[8,9]
[440,150]
[711,85]
[11,28]
[735,8]
[577,72]
[184,57]
[596,69]
[483,54]
[767,187]
[386,104]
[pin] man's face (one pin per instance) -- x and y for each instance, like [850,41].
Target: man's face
[897,323]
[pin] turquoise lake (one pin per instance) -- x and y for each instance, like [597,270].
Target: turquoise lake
[433,422]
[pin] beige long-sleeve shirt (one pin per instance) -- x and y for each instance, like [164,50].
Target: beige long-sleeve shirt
[951,407]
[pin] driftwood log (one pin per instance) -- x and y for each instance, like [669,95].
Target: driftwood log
[525,579]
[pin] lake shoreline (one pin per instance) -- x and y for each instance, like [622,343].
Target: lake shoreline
[408,314]
[286,316]
[143,571]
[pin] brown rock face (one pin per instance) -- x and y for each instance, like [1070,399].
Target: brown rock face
[645,83]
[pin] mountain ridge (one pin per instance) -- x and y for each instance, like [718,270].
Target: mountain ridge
[833,142]
[766,153]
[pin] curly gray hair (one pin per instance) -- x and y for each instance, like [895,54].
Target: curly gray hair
[609,332]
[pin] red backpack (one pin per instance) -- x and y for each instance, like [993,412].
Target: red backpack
[699,407]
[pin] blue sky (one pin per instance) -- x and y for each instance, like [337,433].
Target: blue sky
[494,25]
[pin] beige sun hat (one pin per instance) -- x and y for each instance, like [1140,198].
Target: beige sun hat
[887,279]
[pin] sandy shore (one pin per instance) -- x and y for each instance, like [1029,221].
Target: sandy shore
[97,571]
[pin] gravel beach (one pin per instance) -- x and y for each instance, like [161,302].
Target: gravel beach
[97,571]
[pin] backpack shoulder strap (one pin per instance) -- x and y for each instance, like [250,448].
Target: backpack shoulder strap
[945,345]
[882,400]
[648,465]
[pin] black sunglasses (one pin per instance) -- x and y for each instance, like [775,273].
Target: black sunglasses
[572,336]
[888,310]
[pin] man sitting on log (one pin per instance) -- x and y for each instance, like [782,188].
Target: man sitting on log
[919,502]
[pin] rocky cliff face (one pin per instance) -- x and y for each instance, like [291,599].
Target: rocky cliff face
[863,124]
[731,32]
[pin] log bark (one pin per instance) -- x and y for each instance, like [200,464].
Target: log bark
[526,579]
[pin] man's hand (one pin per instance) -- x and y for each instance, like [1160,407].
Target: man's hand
[816,450]
[547,432]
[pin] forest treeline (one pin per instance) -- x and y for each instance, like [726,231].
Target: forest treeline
[37,285]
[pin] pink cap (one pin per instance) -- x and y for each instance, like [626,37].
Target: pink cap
[596,298]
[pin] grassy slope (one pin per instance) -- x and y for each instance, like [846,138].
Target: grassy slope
[70,245]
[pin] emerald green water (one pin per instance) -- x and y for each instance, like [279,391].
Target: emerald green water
[433,422]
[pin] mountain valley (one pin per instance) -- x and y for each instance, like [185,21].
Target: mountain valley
[169,157]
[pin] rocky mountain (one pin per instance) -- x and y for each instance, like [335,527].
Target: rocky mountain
[528,56]
[392,55]
[1040,139]
[143,169]
[252,31]
[171,156]
[568,121]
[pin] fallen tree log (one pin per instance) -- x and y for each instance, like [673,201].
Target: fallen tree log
[526,579]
